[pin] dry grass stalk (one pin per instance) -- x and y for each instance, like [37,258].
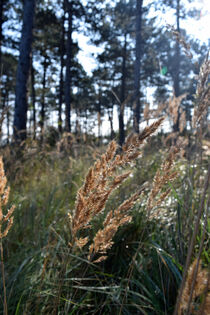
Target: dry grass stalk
[181,40]
[202,93]
[163,175]
[170,137]
[204,308]
[147,112]
[173,109]
[100,182]
[182,122]
[133,141]
[162,107]
[201,281]
[193,238]
[174,106]
[103,239]
[66,142]
[6,222]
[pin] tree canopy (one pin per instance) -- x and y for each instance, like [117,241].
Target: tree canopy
[44,81]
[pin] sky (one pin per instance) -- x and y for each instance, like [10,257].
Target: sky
[198,27]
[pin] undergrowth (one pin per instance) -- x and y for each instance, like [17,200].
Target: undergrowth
[144,266]
[130,238]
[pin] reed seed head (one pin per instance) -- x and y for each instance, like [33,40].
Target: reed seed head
[101,180]
[6,221]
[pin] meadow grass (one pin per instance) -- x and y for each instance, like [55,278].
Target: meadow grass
[46,273]
[128,236]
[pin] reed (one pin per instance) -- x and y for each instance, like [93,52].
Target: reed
[199,117]
[202,94]
[201,282]
[182,41]
[102,179]
[164,175]
[6,222]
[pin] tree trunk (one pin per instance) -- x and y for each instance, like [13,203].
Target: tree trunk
[1,22]
[21,106]
[78,128]
[110,114]
[8,119]
[33,96]
[136,102]
[177,66]
[98,109]
[42,113]
[122,96]
[99,120]
[62,50]
[3,112]
[68,70]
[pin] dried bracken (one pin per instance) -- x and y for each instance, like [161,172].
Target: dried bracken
[6,221]
[102,179]
[200,284]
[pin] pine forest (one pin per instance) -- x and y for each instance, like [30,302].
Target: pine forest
[104,157]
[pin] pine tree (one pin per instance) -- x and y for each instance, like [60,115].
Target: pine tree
[138,56]
[21,104]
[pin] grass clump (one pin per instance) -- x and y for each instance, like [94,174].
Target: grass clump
[6,222]
[118,252]
[137,232]
[100,182]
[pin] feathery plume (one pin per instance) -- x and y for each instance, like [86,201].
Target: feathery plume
[6,221]
[202,93]
[103,239]
[100,182]
[201,281]
[163,175]
[181,40]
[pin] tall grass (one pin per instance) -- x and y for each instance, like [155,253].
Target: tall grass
[6,222]
[129,237]
[48,273]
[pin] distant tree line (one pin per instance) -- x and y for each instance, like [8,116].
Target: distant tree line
[42,76]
